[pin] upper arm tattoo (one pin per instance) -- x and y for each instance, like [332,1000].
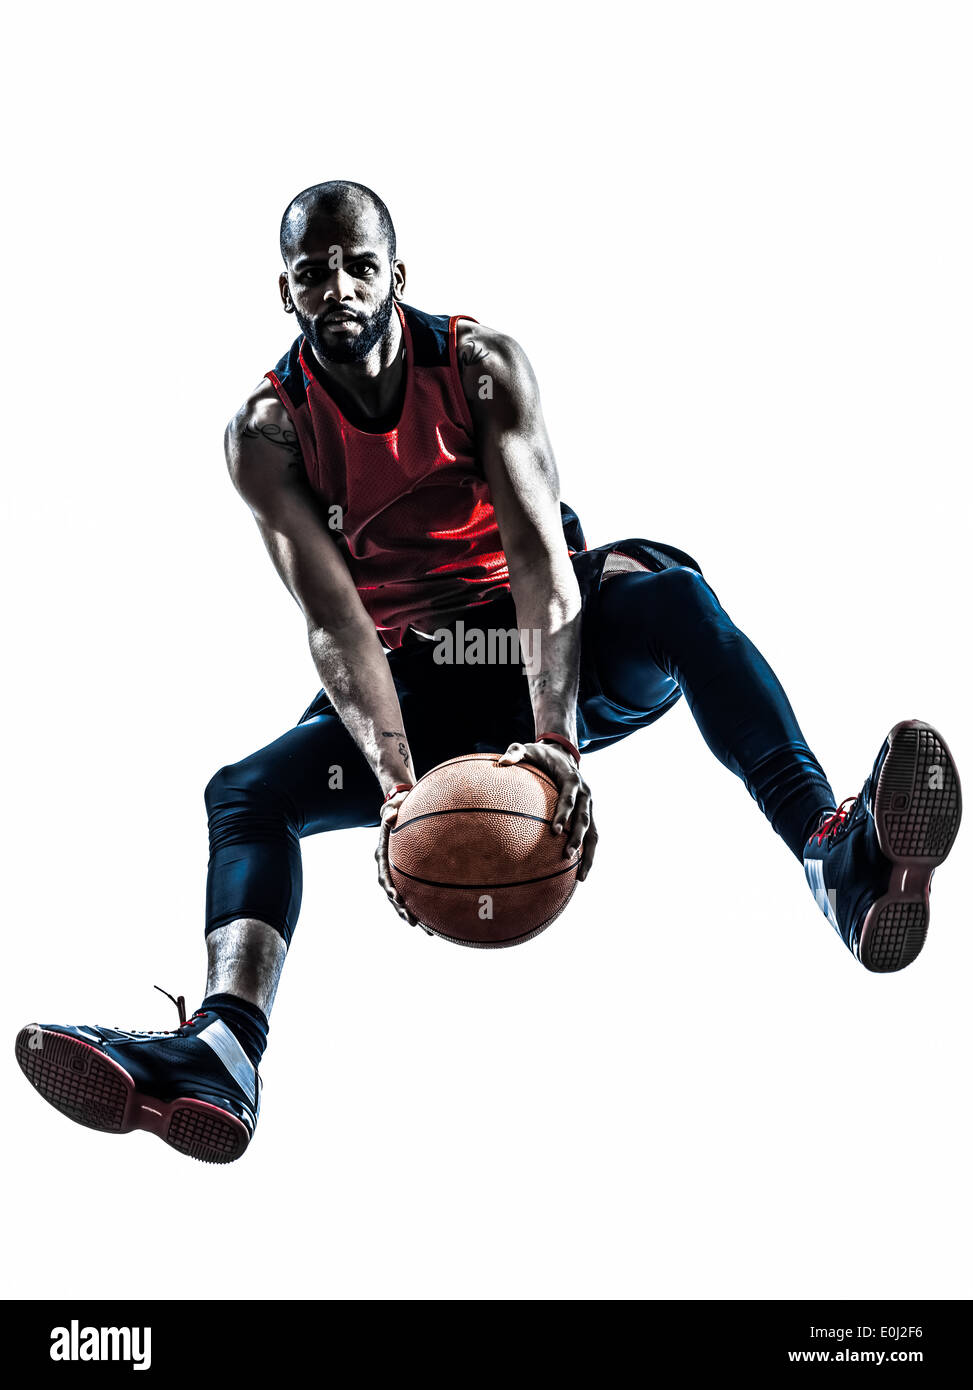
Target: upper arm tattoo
[284,439]
[473,352]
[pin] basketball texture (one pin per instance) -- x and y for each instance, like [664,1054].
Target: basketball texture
[473,855]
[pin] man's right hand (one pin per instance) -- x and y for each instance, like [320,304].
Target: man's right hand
[389,812]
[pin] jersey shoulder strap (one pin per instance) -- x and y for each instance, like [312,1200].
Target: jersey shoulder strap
[289,378]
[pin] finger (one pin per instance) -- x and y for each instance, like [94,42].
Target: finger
[514,754]
[393,894]
[382,859]
[385,879]
[395,898]
[385,872]
[580,821]
[565,805]
[588,853]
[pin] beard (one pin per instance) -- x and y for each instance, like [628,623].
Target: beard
[373,329]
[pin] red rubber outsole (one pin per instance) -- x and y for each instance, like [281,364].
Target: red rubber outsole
[917,812]
[90,1088]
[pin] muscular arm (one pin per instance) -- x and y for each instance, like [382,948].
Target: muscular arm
[516,455]
[264,460]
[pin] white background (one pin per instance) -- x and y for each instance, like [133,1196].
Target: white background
[735,242]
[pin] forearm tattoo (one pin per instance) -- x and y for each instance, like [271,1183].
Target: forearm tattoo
[403,747]
[284,439]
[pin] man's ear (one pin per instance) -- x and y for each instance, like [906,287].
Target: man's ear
[285,293]
[398,279]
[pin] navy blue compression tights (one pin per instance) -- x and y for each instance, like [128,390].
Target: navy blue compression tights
[649,635]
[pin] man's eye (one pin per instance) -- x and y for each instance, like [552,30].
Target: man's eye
[363,271]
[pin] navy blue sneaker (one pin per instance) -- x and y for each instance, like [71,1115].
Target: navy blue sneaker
[194,1087]
[870,862]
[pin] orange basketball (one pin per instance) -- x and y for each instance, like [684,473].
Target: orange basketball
[473,856]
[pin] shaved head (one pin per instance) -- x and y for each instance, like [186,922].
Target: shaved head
[336,199]
[341,275]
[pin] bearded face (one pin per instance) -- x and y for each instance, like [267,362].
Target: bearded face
[342,333]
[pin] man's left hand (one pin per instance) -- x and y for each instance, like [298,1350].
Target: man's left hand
[573,812]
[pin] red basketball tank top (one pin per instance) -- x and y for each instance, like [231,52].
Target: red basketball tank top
[417,526]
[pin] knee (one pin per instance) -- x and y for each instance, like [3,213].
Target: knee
[215,792]
[244,808]
[678,592]
[676,603]
[685,593]
[683,584]
[241,786]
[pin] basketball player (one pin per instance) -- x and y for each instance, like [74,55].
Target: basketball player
[400,474]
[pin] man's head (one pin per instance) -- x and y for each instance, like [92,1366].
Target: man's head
[338,244]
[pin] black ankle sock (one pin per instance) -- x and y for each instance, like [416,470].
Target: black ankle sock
[245,1021]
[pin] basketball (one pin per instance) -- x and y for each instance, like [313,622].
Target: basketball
[473,855]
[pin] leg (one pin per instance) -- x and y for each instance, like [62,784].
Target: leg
[198,1087]
[311,779]
[655,629]
[245,958]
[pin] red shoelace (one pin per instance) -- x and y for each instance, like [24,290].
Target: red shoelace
[837,818]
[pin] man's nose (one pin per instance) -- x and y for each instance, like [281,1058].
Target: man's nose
[339,286]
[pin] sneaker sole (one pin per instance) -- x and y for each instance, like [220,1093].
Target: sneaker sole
[917,811]
[93,1090]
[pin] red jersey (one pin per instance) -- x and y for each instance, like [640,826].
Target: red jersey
[417,526]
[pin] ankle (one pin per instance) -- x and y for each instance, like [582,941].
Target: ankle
[247,1023]
[816,820]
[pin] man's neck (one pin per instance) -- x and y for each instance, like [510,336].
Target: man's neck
[373,385]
